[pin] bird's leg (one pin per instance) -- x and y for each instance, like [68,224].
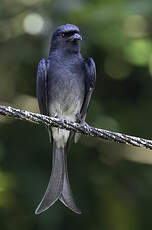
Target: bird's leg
[80,120]
[56,115]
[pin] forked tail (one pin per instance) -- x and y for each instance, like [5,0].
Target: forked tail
[59,185]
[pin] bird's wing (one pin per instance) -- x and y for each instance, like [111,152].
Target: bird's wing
[90,80]
[41,86]
[90,71]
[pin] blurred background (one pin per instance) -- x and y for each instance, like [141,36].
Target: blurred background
[112,183]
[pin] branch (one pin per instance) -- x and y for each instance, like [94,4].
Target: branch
[76,127]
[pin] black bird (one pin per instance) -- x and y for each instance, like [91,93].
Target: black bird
[65,82]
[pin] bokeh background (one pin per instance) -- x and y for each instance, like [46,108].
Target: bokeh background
[112,183]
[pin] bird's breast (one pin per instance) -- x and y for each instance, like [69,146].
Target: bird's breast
[66,90]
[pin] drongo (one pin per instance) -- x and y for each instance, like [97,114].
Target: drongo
[65,82]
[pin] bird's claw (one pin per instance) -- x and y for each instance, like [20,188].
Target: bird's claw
[78,118]
[81,121]
[56,115]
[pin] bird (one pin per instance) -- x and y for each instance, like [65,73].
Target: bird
[64,85]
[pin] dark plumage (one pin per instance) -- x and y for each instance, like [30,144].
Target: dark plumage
[65,82]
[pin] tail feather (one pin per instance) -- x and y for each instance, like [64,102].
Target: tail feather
[66,196]
[59,185]
[55,185]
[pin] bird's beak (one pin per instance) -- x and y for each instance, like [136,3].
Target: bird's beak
[75,37]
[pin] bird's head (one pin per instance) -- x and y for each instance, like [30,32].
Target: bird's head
[66,37]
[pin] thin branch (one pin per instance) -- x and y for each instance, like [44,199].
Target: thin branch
[76,127]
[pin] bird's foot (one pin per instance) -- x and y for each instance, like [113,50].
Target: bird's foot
[56,115]
[78,118]
[81,121]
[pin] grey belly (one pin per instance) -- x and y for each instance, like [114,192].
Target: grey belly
[66,97]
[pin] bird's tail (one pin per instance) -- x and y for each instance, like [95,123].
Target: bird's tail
[59,186]
[66,196]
